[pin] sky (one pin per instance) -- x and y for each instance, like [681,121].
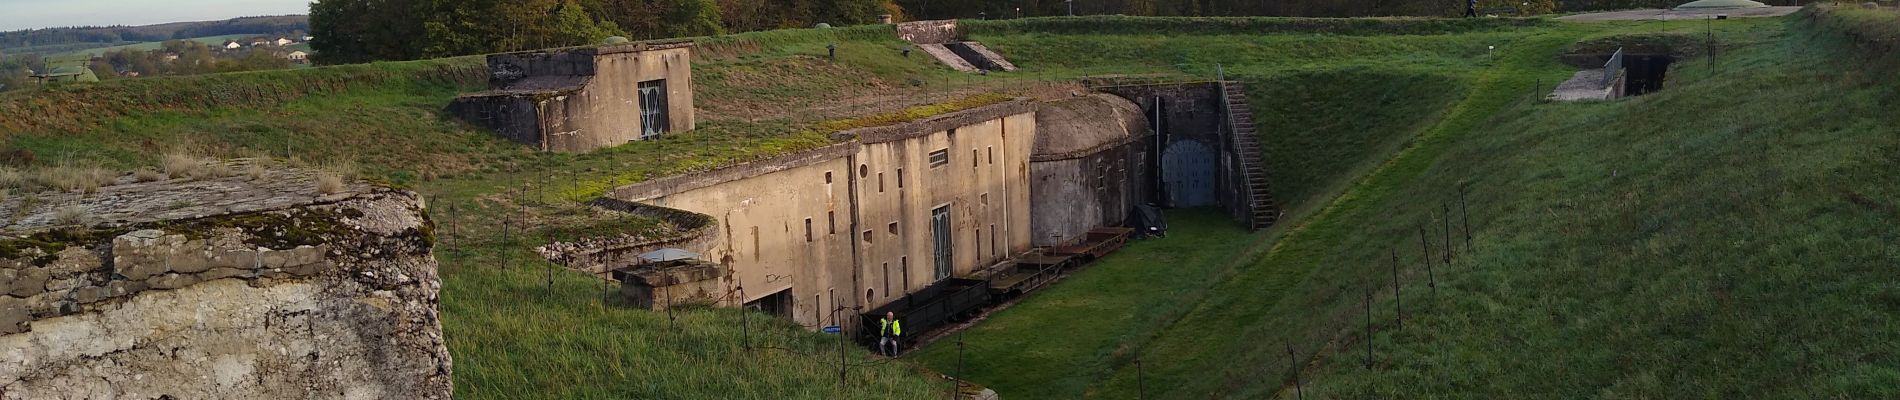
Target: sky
[30,14]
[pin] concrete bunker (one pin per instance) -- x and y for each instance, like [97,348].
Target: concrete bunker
[886,212]
[1619,66]
[580,99]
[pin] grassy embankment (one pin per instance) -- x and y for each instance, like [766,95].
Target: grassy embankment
[1725,237]
[1329,108]
[1732,236]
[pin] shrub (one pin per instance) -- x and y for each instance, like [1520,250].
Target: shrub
[70,215]
[181,165]
[12,179]
[329,182]
[148,174]
[76,179]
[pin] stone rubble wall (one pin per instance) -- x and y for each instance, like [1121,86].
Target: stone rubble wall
[336,298]
[929,32]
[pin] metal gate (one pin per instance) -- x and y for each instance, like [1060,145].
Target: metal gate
[940,236]
[1187,168]
[653,119]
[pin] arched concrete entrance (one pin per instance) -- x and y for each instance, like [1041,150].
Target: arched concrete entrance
[1187,170]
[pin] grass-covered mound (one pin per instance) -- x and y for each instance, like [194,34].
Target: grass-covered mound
[1725,237]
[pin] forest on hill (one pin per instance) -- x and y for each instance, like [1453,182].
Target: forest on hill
[54,40]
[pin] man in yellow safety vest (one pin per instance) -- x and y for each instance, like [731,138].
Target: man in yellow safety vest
[887,333]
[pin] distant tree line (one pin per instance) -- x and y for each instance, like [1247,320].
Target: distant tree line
[107,35]
[351,31]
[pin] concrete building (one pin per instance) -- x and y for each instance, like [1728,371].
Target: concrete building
[1090,167]
[815,235]
[581,99]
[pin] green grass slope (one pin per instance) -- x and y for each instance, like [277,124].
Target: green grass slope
[1063,339]
[1329,107]
[1732,236]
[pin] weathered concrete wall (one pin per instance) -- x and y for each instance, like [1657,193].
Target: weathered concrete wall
[1089,169]
[515,117]
[580,99]
[929,32]
[984,184]
[1191,115]
[293,294]
[784,231]
[850,192]
[607,113]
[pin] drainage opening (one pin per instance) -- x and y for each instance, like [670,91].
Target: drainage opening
[1645,73]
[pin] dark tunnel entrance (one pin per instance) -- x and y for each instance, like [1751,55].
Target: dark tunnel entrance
[1645,73]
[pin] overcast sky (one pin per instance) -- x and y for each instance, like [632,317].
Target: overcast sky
[27,14]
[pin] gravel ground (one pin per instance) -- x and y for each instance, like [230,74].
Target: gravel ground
[1652,14]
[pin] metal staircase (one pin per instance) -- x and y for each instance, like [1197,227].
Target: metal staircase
[1262,212]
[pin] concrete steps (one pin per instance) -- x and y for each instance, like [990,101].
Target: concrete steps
[1262,210]
[947,57]
[980,56]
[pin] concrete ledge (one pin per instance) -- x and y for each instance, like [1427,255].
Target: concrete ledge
[655,188]
[939,123]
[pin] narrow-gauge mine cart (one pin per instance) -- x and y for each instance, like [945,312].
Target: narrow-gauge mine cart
[1022,275]
[1098,243]
[929,308]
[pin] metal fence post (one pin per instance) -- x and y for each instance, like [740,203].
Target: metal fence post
[1397,300]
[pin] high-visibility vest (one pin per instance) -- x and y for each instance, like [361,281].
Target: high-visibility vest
[890,328]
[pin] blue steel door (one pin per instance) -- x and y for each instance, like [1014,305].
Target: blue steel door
[1187,168]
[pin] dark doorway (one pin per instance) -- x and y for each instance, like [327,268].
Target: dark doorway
[1645,73]
[940,236]
[778,304]
[1187,173]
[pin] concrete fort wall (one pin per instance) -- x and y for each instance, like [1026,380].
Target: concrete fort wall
[1090,167]
[787,230]
[293,296]
[849,195]
[982,180]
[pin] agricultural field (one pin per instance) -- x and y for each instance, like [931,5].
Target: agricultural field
[213,41]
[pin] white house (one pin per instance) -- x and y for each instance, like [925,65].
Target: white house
[280,42]
[298,56]
[232,45]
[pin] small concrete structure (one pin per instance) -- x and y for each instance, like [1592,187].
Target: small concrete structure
[581,99]
[665,283]
[1588,85]
[939,39]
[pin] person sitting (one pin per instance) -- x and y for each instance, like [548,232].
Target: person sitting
[888,332]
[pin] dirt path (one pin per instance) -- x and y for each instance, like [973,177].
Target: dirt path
[1673,15]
